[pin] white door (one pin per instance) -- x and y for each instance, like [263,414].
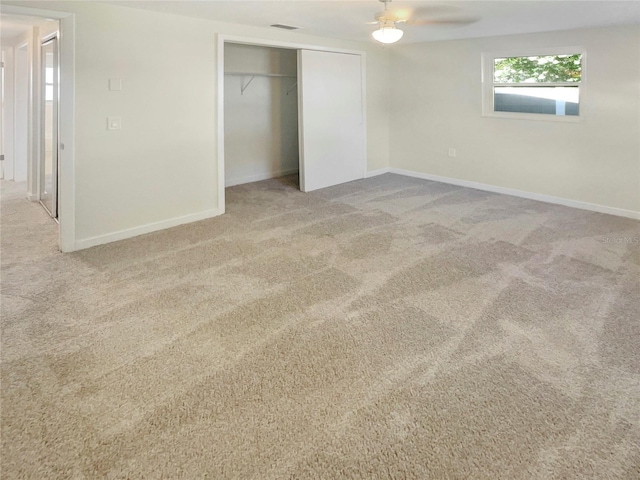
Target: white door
[49,116]
[331,119]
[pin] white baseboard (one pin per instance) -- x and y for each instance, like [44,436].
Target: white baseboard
[375,173]
[257,178]
[149,228]
[620,212]
[194,217]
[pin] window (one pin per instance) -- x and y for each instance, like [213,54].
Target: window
[543,86]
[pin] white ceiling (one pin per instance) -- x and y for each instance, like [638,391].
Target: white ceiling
[347,19]
[13,25]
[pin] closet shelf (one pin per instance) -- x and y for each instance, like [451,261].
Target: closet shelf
[244,86]
[251,74]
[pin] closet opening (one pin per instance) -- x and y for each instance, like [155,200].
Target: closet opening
[260,114]
[290,111]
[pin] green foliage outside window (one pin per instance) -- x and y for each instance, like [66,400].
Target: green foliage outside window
[540,69]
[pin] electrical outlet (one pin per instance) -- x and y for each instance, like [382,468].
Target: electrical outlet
[452,152]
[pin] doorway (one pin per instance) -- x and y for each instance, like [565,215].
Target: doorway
[260,113]
[32,28]
[331,126]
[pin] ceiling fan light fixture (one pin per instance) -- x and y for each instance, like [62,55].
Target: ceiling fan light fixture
[388,34]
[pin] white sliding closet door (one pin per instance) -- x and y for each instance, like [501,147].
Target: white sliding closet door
[331,119]
[49,118]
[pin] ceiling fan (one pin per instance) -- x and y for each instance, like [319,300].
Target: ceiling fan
[388,32]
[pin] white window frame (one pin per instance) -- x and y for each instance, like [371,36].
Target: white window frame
[488,59]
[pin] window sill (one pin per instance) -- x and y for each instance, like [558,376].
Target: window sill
[536,117]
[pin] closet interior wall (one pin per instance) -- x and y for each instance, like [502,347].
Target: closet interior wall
[261,113]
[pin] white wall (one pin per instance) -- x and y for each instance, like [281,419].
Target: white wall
[161,164]
[258,59]
[160,169]
[8,163]
[261,124]
[26,119]
[436,104]
[21,118]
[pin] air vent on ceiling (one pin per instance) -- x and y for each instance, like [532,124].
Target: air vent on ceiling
[284,27]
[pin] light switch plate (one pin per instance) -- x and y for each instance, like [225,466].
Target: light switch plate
[115,84]
[114,123]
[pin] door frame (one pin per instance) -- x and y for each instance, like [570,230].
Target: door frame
[66,116]
[221,39]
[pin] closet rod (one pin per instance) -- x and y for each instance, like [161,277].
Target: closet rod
[257,74]
[254,75]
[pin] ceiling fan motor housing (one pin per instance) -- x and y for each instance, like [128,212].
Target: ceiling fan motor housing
[389,16]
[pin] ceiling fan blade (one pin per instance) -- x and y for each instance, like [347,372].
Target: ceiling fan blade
[443,21]
[393,16]
[431,10]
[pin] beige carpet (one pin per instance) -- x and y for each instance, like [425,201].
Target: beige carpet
[387,328]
